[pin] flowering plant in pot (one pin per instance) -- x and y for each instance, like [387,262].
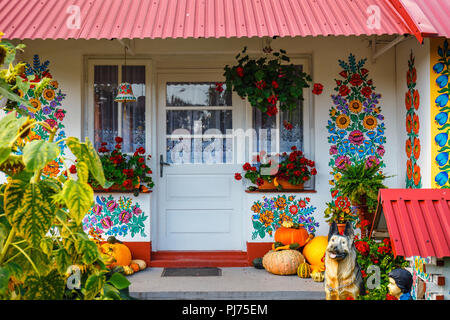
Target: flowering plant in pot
[339,211]
[378,253]
[360,182]
[124,172]
[267,82]
[295,169]
[260,173]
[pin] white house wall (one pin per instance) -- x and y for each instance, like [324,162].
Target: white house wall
[67,66]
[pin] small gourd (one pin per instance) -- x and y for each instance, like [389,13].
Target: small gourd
[257,263]
[304,270]
[127,270]
[135,267]
[141,263]
[318,276]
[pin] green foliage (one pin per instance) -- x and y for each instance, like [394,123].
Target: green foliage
[267,80]
[361,182]
[338,214]
[41,234]
[371,252]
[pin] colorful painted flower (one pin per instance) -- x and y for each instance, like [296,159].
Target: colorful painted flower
[441,118]
[409,123]
[416,148]
[409,169]
[106,222]
[293,209]
[408,148]
[125,216]
[441,178]
[342,202]
[60,114]
[343,121]
[416,99]
[341,162]
[416,175]
[415,124]
[441,139]
[51,169]
[356,137]
[438,67]
[48,94]
[355,106]
[302,203]
[442,81]
[111,205]
[36,105]
[344,90]
[137,211]
[370,122]
[442,158]
[442,100]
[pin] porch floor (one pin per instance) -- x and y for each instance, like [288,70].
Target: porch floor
[246,283]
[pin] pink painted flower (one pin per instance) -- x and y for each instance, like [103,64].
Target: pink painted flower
[111,205]
[342,161]
[59,114]
[125,216]
[106,222]
[137,211]
[97,210]
[356,137]
[333,150]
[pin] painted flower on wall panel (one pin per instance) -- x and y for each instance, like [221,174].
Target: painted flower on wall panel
[119,218]
[270,213]
[412,146]
[356,126]
[440,88]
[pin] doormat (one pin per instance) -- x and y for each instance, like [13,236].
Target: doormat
[191,272]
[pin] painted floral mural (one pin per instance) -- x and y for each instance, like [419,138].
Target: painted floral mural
[109,217]
[356,125]
[46,106]
[270,213]
[412,146]
[440,92]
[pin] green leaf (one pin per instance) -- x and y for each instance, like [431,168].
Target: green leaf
[4,280]
[4,153]
[10,95]
[119,281]
[82,171]
[79,197]
[38,153]
[110,292]
[9,127]
[63,260]
[87,248]
[28,210]
[46,245]
[94,284]
[50,287]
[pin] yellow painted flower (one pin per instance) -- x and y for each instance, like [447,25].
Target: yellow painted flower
[355,106]
[54,84]
[333,112]
[36,105]
[266,218]
[48,94]
[337,176]
[343,121]
[280,203]
[370,122]
[20,92]
[331,182]
[33,136]
[51,169]
[256,208]
[377,110]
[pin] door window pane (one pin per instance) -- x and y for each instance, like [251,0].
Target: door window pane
[183,94]
[105,109]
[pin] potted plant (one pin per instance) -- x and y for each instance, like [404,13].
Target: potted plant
[267,82]
[294,170]
[260,173]
[361,182]
[124,172]
[340,212]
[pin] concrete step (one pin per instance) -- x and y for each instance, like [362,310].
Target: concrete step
[229,295]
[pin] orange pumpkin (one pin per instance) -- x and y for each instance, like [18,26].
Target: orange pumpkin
[288,236]
[283,262]
[119,252]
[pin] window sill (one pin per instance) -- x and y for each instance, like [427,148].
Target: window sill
[119,191]
[281,191]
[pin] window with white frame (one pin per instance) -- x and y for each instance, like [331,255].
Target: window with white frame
[112,119]
[273,136]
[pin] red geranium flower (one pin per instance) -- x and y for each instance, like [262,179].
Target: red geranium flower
[272,99]
[237,176]
[247,166]
[275,84]
[287,125]
[219,86]
[318,88]
[127,183]
[313,171]
[272,111]
[118,140]
[240,71]
[73,169]
[259,181]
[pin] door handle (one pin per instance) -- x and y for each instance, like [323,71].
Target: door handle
[161,165]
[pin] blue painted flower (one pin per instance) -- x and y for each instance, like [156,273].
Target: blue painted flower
[441,178]
[352,149]
[332,139]
[438,67]
[442,100]
[371,134]
[442,158]
[342,133]
[346,142]
[342,149]
[441,139]
[380,131]
[442,81]
[361,151]
[441,118]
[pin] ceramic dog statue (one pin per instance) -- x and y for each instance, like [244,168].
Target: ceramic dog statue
[343,278]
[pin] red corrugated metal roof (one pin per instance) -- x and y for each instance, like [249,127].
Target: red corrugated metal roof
[107,19]
[431,16]
[418,221]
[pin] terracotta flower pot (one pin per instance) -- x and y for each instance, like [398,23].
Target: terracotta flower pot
[341,228]
[286,185]
[267,185]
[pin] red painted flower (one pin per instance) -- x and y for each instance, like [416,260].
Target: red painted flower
[366,91]
[342,202]
[293,209]
[408,100]
[416,99]
[344,90]
[364,71]
[259,181]
[343,74]
[302,203]
[356,80]
[318,88]
[408,148]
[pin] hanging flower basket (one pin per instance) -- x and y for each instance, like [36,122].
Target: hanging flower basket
[268,83]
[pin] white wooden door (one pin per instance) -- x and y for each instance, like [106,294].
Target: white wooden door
[199,202]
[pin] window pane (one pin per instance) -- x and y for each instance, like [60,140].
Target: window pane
[189,150]
[293,137]
[182,94]
[265,128]
[105,109]
[133,113]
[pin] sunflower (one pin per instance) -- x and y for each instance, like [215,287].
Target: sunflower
[36,105]
[343,121]
[370,122]
[355,106]
[48,94]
